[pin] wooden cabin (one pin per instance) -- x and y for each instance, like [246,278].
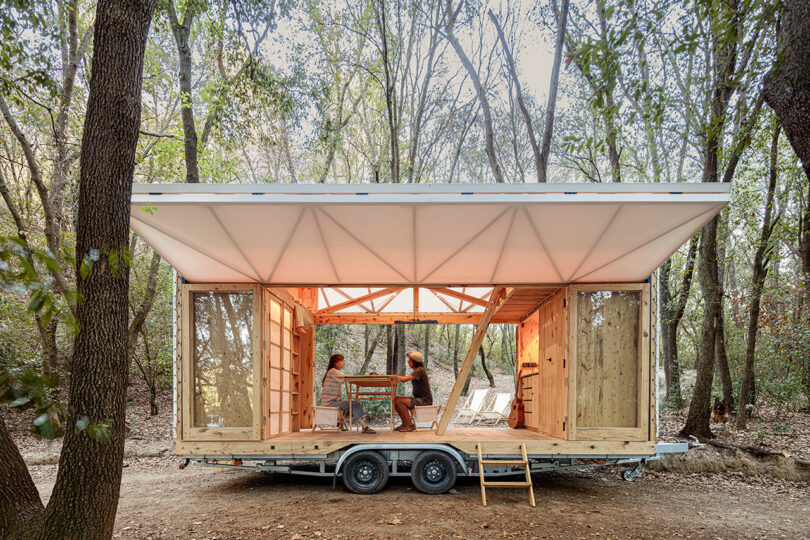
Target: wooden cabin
[572,265]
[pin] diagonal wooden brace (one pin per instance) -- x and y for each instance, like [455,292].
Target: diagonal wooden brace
[495,301]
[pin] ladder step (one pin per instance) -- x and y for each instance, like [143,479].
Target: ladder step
[506,484]
[504,462]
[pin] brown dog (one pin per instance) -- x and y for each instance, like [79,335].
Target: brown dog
[719,411]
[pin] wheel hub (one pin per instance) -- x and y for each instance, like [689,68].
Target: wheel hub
[365,473]
[434,472]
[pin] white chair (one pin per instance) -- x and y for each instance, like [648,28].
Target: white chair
[425,414]
[473,406]
[327,416]
[498,411]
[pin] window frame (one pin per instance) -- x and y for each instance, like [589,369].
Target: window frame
[191,433]
[641,431]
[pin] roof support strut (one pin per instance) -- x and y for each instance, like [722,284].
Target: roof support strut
[495,301]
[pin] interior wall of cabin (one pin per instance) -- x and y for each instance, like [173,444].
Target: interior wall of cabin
[542,362]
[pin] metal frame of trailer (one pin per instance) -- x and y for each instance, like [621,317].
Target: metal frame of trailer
[550,258]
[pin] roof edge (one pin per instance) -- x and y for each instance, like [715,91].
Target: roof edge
[404,189]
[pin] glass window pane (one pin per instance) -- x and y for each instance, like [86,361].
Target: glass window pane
[275,311]
[275,333]
[286,357]
[287,317]
[607,358]
[222,351]
[285,402]
[275,379]
[275,356]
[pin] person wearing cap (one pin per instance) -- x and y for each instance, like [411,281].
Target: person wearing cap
[421,391]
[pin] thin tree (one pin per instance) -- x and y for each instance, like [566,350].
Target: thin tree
[673,307]
[553,86]
[451,15]
[762,258]
[527,119]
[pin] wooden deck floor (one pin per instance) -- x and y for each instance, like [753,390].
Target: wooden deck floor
[494,441]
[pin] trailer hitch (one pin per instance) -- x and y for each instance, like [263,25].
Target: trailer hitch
[695,443]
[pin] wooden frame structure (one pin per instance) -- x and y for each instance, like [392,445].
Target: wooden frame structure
[520,255]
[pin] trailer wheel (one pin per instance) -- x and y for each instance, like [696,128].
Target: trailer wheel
[365,473]
[433,472]
[631,473]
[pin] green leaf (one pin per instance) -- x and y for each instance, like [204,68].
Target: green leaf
[19,402]
[82,423]
[99,432]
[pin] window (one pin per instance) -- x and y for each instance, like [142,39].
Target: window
[222,360]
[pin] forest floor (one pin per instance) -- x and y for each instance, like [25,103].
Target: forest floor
[160,501]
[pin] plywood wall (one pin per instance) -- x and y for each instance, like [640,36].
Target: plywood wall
[552,392]
[542,340]
[607,348]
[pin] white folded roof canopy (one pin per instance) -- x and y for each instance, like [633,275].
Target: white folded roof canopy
[420,234]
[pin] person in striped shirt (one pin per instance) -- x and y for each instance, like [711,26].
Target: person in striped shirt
[331,394]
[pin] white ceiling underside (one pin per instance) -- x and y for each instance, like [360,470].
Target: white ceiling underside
[407,236]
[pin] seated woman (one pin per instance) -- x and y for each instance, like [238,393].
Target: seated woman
[331,392]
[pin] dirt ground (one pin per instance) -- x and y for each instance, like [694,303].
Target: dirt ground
[160,501]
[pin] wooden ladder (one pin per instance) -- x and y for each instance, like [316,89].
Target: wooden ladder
[516,462]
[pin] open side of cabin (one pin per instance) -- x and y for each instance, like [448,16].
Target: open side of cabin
[573,266]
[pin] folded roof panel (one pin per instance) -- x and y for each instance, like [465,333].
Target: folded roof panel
[434,234]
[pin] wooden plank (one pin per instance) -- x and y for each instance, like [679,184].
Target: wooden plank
[461,296]
[358,300]
[466,366]
[392,318]
[504,442]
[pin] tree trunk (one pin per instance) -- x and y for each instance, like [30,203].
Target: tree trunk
[455,351]
[480,91]
[554,84]
[370,348]
[486,369]
[390,96]
[759,272]
[390,366]
[427,344]
[399,347]
[787,87]
[19,498]
[527,119]
[181,32]
[697,420]
[671,316]
[721,359]
[85,496]
[724,56]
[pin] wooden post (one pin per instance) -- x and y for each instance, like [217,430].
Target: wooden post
[478,338]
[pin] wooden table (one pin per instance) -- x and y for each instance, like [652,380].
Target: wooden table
[377,388]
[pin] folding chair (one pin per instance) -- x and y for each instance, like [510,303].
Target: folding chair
[424,414]
[498,410]
[473,406]
[327,416]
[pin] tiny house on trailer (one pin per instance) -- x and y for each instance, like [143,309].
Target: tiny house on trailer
[572,265]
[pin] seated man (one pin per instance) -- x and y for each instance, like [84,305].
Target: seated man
[421,391]
[331,392]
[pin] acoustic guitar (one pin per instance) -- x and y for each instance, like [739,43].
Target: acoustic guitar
[516,417]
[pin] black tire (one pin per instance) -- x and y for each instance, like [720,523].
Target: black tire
[433,472]
[365,473]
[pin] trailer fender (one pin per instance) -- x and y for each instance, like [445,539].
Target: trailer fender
[421,447]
